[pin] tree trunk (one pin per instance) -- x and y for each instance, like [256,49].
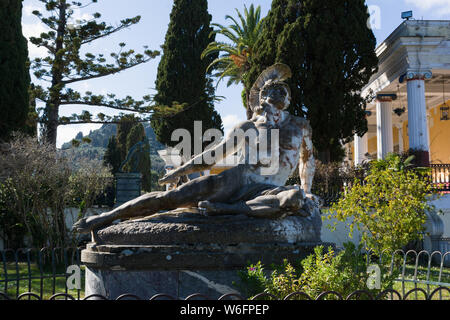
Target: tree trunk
[51,123]
[52,107]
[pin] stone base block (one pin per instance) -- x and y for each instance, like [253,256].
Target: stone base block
[178,270]
[182,253]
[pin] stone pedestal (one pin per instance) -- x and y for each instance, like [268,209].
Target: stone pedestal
[181,252]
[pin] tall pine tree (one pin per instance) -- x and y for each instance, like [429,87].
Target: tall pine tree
[65,65]
[14,74]
[182,75]
[331,51]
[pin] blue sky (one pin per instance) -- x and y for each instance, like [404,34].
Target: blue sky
[140,81]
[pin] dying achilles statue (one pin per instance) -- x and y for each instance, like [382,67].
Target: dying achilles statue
[247,188]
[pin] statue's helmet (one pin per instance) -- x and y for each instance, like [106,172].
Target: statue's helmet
[270,83]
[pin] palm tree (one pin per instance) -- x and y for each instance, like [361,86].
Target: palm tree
[235,58]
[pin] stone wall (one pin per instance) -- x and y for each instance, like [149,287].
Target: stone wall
[71,214]
[443,204]
[340,235]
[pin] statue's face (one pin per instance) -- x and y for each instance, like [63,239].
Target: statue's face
[275,94]
[274,98]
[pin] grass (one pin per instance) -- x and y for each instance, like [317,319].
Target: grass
[422,276]
[25,284]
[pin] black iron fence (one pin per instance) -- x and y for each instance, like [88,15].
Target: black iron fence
[43,274]
[41,271]
[389,294]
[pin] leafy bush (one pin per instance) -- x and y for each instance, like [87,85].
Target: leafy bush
[343,272]
[89,179]
[389,207]
[36,184]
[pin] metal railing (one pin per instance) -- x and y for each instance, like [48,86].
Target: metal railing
[440,177]
[389,294]
[422,263]
[42,274]
[42,271]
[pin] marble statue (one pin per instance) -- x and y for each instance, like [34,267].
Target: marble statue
[246,188]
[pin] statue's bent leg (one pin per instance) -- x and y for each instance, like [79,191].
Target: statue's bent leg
[218,187]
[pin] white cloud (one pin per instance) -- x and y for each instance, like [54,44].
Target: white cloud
[28,10]
[229,121]
[439,7]
[34,30]
[428,4]
[79,17]
[68,132]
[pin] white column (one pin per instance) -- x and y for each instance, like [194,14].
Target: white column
[385,139]
[417,113]
[360,148]
[401,144]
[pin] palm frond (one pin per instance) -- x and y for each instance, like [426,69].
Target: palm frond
[235,56]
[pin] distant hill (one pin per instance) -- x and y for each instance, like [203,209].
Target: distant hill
[99,142]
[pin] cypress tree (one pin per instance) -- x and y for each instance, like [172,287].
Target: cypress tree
[126,123]
[136,135]
[14,73]
[112,155]
[283,23]
[129,133]
[117,150]
[141,160]
[331,51]
[182,75]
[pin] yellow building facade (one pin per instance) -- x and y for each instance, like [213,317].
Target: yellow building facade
[439,133]
[408,95]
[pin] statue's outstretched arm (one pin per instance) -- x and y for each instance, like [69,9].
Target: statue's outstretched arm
[307,165]
[226,147]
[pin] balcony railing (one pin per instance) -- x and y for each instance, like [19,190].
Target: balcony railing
[440,180]
[440,175]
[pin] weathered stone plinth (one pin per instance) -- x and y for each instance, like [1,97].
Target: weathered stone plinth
[180,253]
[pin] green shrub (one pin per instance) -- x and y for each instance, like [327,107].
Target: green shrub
[343,272]
[389,207]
